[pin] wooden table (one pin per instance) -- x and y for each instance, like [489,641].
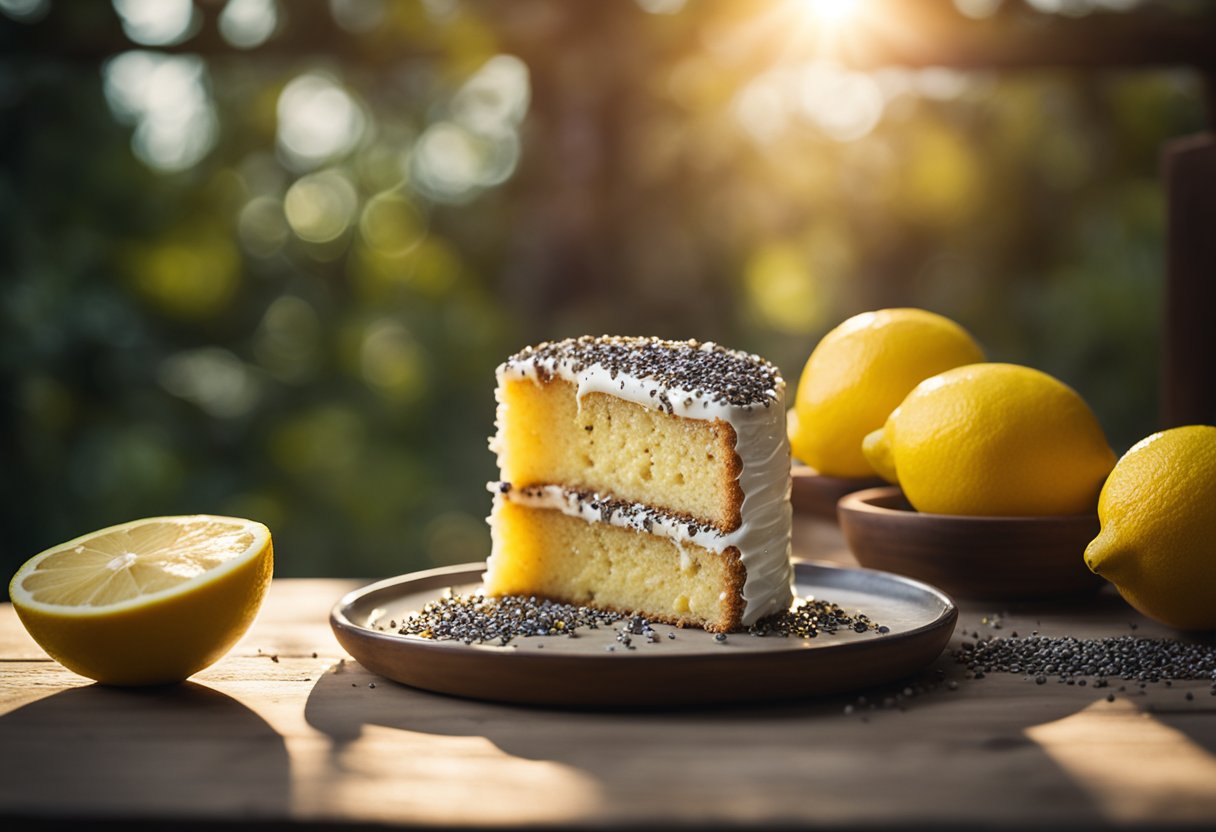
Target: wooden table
[286,728]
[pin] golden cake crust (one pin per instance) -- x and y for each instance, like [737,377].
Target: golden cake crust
[547,553]
[608,444]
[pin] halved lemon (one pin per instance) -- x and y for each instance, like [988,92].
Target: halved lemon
[147,602]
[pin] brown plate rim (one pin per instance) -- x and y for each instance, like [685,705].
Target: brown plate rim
[493,658]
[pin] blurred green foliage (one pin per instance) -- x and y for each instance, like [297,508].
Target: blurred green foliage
[264,263]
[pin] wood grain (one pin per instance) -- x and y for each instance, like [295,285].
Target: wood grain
[310,739]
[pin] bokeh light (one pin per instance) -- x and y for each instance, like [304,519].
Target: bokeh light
[391,361]
[26,11]
[320,207]
[392,224]
[358,15]
[247,24]
[319,121]
[213,378]
[288,341]
[844,105]
[158,22]
[167,100]
[782,290]
[262,226]
[192,275]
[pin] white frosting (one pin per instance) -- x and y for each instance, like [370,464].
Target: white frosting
[763,536]
[643,519]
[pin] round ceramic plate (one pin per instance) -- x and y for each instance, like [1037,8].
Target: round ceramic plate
[692,668]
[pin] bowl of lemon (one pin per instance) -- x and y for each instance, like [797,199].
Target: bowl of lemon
[999,468]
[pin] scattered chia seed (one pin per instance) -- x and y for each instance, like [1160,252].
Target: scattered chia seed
[478,619]
[809,617]
[1130,658]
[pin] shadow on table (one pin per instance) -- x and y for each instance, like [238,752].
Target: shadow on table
[183,751]
[945,758]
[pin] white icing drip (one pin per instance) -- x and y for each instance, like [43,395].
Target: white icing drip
[763,536]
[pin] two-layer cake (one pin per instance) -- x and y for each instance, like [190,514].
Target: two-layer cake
[645,476]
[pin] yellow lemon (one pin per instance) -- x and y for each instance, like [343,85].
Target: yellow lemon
[857,375]
[1158,538]
[147,602]
[994,439]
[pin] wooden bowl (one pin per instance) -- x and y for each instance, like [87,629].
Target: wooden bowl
[814,494]
[991,558]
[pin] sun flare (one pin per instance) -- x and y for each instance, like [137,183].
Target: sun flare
[833,12]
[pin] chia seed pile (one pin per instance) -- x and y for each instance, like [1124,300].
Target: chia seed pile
[1073,660]
[809,617]
[477,619]
[706,371]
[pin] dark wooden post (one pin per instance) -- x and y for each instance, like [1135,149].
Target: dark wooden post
[1188,377]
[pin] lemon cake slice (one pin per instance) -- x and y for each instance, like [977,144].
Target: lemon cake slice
[644,476]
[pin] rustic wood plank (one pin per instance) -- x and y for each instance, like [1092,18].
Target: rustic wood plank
[321,739]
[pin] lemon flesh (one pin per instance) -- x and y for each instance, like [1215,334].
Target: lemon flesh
[857,375]
[147,602]
[994,440]
[1158,539]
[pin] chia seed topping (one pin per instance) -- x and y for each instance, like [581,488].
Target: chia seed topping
[703,370]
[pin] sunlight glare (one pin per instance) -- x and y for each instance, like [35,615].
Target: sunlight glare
[833,12]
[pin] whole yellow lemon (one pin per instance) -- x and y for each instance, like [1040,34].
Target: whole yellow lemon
[994,439]
[1158,538]
[857,375]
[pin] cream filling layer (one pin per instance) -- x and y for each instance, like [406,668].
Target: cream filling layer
[763,536]
[600,508]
